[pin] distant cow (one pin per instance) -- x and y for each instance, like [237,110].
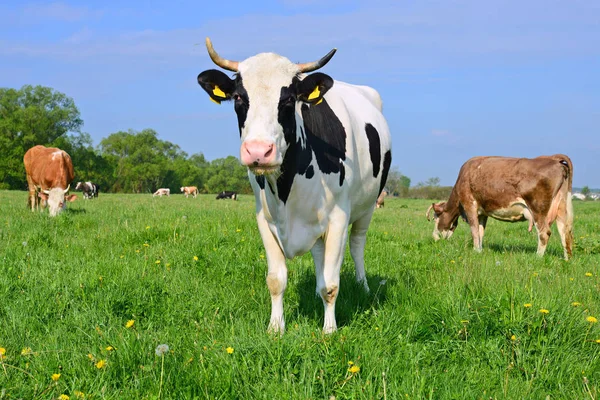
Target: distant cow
[381,198]
[162,192]
[318,152]
[227,195]
[511,189]
[49,175]
[187,190]
[89,189]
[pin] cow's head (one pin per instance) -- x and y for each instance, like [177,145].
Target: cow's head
[56,199]
[267,91]
[181,189]
[445,222]
[79,186]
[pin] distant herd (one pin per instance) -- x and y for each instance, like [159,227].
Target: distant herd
[318,152]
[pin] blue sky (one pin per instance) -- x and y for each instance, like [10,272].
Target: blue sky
[458,78]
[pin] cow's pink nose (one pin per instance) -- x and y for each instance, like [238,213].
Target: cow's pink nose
[257,153]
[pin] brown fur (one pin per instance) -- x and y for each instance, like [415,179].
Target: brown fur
[537,189]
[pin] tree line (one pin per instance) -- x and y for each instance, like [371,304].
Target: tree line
[126,161]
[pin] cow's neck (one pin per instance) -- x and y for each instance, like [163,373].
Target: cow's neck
[452,206]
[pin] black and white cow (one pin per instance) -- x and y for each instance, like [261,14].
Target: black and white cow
[89,189]
[318,154]
[227,195]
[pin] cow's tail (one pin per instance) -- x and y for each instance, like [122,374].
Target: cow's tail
[565,210]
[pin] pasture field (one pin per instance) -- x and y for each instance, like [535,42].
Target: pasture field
[92,293]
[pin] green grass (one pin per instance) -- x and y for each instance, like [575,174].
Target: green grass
[437,324]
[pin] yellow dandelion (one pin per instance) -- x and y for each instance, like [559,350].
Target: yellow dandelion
[26,351]
[262,256]
[571,279]
[591,320]
[527,305]
[576,304]
[452,262]
[157,262]
[147,227]
[354,369]
[195,258]
[513,338]
[238,230]
[122,256]
[63,397]
[2,352]
[90,356]
[110,348]
[544,311]
[137,251]
[597,340]
[589,274]
[129,323]
[101,364]
[229,350]
[146,245]
[55,377]
[79,394]
[535,274]
[350,363]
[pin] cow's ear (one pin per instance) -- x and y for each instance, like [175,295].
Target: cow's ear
[217,84]
[43,196]
[312,88]
[438,208]
[71,197]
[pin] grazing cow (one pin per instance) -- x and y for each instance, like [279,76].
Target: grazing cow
[161,192]
[381,198]
[49,174]
[187,190]
[227,195]
[511,189]
[318,154]
[89,189]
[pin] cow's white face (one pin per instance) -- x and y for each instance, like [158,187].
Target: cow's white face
[56,200]
[267,92]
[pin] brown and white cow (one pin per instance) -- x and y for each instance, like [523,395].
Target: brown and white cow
[511,189]
[49,176]
[187,190]
[381,198]
[162,192]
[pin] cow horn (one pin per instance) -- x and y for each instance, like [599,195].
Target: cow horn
[428,211]
[220,61]
[68,187]
[47,191]
[312,66]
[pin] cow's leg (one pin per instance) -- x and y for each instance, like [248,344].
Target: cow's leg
[482,222]
[473,218]
[358,239]
[564,223]
[544,232]
[276,275]
[328,272]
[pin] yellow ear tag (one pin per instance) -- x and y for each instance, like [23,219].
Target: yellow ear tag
[218,92]
[315,93]
[318,102]
[214,101]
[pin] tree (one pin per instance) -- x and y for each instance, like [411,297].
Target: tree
[585,191]
[30,116]
[397,183]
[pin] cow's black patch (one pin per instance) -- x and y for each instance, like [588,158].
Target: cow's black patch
[271,187]
[387,162]
[374,148]
[241,102]
[260,179]
[342,172]
[325,135]
[310,172]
